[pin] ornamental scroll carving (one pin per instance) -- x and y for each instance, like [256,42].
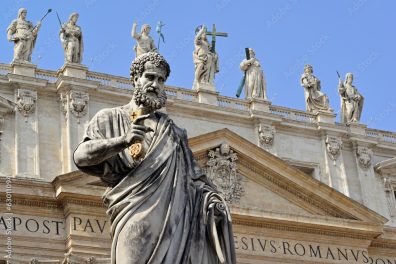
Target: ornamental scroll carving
[26,101]
[76,102]
[333,147]
[364,157]
[266,135]
[222,170]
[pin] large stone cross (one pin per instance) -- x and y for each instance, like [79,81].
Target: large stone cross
[214,33]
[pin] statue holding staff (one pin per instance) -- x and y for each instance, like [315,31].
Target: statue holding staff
[145,43]
[72,39]
[24,35]
[351,100]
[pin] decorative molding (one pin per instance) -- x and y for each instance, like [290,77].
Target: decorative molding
[333,147]
[76,102]
[364,156]
[389,194]
[266,134]
[222,170]
[26,101]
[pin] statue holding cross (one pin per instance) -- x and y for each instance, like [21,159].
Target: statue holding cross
[205,57]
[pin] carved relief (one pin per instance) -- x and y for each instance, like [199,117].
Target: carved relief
[76,102]
[26,101]
[266,135]
[221,169]
[333,147]
[364,157]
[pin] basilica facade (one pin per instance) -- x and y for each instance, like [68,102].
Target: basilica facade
[302,188]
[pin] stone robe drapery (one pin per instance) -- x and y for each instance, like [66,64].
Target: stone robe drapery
[72,43]
[314,98]
[255,86]
[351,103]
[24,35]
[162,209]
[205,61]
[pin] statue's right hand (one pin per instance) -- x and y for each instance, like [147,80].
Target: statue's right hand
[136,133]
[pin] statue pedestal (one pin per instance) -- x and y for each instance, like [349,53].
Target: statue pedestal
[204,86]
[75,70]
[207,96]
[356,128]
[25,69]
[325,117]
[257,104]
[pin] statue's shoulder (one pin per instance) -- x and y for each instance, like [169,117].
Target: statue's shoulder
[107,113]
[180,131]
[13,24]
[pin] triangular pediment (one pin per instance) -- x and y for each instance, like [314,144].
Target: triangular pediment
[274,188]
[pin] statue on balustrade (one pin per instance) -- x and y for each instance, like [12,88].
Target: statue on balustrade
[72,40]
[162,207]
[351,100]
[205,60]
[24,35]
[315,99]
[255,85]
[145,43]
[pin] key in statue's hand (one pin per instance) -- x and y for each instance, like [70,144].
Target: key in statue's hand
[136,133]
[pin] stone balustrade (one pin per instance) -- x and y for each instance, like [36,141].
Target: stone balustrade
[223,102]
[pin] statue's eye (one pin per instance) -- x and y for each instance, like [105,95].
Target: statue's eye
[161,80]
[150,77]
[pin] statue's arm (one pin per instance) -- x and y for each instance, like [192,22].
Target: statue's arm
[36,29]
[134,34]
[244,65]
[11,30]
[96,151]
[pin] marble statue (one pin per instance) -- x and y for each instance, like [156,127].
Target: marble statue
[315,99]
[72,40]
[351,100]
[255,85]
[24,35]
[145,43]
[162,207]
[205,60]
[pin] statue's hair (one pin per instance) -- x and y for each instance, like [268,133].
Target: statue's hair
[137,66]
[21,10]
[144,26]
[73,14]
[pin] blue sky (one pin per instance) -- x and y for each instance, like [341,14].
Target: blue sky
[346,35]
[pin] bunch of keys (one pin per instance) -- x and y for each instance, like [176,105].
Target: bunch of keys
[136,149]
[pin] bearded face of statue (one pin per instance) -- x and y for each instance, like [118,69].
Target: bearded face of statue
[149,87]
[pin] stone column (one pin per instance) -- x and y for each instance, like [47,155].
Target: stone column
[334,165]
[372,186]
[26,134]
[75,109]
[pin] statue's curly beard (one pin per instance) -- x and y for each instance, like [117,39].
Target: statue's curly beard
[141,96]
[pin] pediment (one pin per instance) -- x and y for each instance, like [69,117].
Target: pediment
[273,187]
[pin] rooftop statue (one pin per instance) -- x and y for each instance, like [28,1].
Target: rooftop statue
[315,99]
[24,35]
[145,43]
[72,40]
[351,100]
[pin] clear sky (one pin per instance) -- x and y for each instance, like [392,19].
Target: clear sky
[346,35]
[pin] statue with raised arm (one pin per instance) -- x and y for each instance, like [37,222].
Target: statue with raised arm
[145,43]
[315,99]
[72,40]
[162,207]
[255,85]
[205,60]
[24,35]
[351,100]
